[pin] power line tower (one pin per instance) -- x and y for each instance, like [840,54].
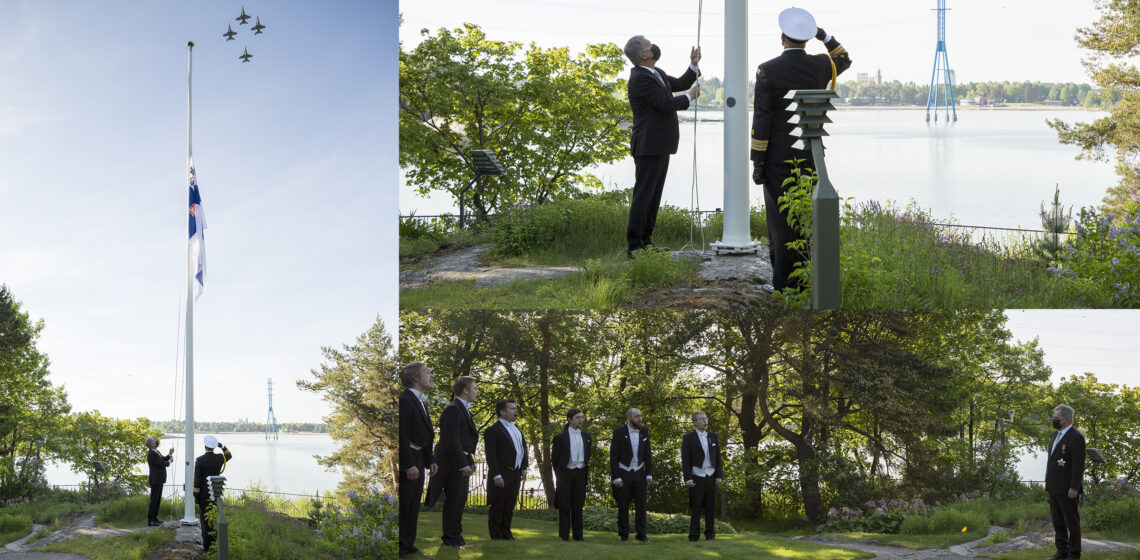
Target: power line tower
[271,419]
[940,76]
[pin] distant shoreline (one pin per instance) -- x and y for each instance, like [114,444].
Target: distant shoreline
[183,435]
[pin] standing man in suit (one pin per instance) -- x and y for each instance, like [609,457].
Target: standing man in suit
[772,136]
[506,452]
[1064,475]
[702,471]
[631,469]
[206,465]
[157,477]
[455,456]
[570,457]
[655,131]
[416,438]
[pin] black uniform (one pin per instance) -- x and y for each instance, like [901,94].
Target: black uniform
[703,493]
[416,438]
[570,485]
[772,138]
[634,483]
[1065,470]
[455,450]
[501,458]
[157,477]
[653,139]
[206,465]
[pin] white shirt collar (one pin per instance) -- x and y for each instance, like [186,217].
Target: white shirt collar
[507,423]
[651,69]
[466,404]
[418,394]
[793,49]
[574,430]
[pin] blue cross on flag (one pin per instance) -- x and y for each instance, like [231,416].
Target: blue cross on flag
[197,237]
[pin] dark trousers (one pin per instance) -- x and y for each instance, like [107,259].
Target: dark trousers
[501,504]
[571,498]
[649,181]
[779,232]
[702,496]
[454,498]
[411,492]
[1066,524]
[205,503]
[633,489]
[155,497]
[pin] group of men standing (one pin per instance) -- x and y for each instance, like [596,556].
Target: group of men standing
[452,462]
[655,132]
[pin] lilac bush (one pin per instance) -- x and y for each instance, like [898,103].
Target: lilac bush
[878,517]
[365,528]
[1106,253]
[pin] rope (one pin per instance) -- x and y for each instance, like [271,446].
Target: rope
[696,217]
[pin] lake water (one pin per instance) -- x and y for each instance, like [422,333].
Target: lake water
[991,168]
[283,465]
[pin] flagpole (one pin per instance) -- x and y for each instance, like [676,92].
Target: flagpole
[189,517]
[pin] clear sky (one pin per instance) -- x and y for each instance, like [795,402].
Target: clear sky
[1101,341]
[987,40]
[296,158]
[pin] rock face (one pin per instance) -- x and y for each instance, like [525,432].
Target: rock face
[467,265]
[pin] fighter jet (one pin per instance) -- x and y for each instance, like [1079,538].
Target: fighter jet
[244,19]
[245,56]
[257,28]
[229,34]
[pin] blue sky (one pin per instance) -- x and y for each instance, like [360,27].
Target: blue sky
[296,155]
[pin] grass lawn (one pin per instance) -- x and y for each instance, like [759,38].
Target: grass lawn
[916,542]
[1039,553]
[134,546]
[539,539]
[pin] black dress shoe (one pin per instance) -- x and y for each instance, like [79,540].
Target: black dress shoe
[622,539]
[567,539]
[579,539]
[643,539]
[1059,556]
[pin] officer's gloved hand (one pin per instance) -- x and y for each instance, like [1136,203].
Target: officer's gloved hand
[758,173]
[820,33]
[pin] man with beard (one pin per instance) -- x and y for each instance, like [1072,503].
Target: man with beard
[631,469]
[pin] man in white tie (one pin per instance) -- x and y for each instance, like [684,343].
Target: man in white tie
[1064,482]
[631,470]
[570,458]
[455,455]
[655,132]
[416,438]
[506,466]
[702,472]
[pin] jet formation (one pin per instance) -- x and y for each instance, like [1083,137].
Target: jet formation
[243,19]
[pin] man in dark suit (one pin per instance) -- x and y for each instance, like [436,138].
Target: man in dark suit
[570,458]
[772,136]
[505,447]
[416,438]
[455,456]
[655,131]
[157,477]
[1064,473]
[631,469]
[702,471]
[206,465]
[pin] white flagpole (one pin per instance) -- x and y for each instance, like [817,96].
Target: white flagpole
[189,517]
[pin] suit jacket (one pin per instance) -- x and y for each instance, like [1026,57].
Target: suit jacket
[692,455]
[655,129]
[500,450]
[794,69]
[560,450]
[415,428]
[157,464]
[458,438]
[206,465]
[1066,465]
[621,451]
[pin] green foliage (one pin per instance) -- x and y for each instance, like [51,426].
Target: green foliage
[238,426]
[14,526]
[133,546]
[116,443]
[257,531]
[878,517]
[796,203]
[605,519]
[419,235]
[945,520]
[1106,256]
[131,511]
[365,528]
[1113,41]
[1107,414]
[653,268]
[1055,223]
[548,116]
[360,381]
[1114,514]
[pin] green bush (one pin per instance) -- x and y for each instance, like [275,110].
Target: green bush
[1106,255]
[130,512]
[605,519]
[943,521]
[654,268]
[14,527]
[1115,514]
[365,528]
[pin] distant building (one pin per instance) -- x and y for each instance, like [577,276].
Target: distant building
[879,76]
[862,77]
[981,101]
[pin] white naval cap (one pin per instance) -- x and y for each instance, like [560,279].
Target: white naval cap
[798,24]
[211,442]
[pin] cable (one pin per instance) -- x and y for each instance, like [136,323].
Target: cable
[696,218]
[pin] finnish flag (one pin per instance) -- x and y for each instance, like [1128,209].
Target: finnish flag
[197,235]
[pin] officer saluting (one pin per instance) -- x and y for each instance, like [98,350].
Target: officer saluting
[772,137]
[206,465]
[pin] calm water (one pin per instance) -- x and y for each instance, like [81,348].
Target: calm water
[282,465]
[991,168]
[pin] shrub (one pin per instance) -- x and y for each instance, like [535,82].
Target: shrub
[365,528]
[944,520]
[605,519]
[1106,255]
[878,517]
[1114,514]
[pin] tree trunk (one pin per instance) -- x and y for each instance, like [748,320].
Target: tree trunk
[544,407]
